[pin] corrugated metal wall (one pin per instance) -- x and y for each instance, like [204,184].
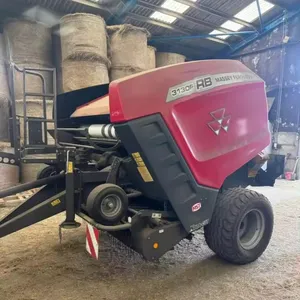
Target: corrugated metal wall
[278,63]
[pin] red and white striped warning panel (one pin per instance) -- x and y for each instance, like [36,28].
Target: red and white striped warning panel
[92,240]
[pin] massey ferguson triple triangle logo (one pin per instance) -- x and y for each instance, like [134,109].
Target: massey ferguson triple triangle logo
[220,121]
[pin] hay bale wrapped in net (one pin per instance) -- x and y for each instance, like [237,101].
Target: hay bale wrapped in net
[4,117]
[121,72]
[168,58]
[33,82]
[34,109]
[9,174]
[78,74]
[28,42]
[128,46]
[83,36]
[29,172]
[151,60]
[4,94]
[4,89]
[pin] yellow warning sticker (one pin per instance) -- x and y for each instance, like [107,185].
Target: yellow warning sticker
[143,170]
[70,167]
[136,155]
[145,174]
[55,202]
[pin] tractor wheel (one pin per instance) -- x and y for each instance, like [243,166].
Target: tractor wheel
[46,172]
[241,226]
[107,204]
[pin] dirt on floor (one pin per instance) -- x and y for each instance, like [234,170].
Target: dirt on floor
[35,266]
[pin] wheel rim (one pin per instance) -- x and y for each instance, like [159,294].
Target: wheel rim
[111,206]
[251,229]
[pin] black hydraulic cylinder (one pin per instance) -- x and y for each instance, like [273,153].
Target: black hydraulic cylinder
[30,185]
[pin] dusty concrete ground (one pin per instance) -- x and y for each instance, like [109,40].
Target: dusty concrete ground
[34,266]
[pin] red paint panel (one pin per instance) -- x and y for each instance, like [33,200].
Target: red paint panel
[217,130]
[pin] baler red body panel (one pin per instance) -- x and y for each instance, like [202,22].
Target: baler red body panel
[211,151]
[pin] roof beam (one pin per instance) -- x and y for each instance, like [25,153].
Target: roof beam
[181,16]
[281,4]
[214,12]
[285,17]
[170,27]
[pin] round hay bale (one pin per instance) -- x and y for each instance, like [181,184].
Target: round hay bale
[83,36]
[83,73]
[128,46]
[151,60]
[34,108]
[29,171]
[168,58]
[33,83]
[9,174]
[4,118]
[28,42]
[121,72]
[4,89]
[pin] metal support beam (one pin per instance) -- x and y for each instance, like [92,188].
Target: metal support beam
[260,16]
[183,17]
[170,27]
[214,12]
[268,28]
[199,36]
[120,14]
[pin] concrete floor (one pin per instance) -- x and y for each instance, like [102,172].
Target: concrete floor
[34,266]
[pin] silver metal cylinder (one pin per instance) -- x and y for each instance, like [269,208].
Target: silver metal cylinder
[102,131]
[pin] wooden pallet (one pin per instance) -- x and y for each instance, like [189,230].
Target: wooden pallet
[14,200]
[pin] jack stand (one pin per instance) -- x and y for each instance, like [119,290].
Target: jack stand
[70,222]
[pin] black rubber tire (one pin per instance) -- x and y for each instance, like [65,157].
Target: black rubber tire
[221,234]
[97,195]
[46,172]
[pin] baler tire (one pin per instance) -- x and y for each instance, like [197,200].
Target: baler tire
[223,233]
[46,172]
[96,197]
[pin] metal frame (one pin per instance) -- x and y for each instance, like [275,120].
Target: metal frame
[250,35]
[286,16]
[171,27]
[21,152]
[184,17]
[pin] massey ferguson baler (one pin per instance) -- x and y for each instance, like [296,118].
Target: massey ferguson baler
[153,157]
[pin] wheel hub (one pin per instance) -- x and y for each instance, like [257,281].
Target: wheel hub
[111,205]
[251,229]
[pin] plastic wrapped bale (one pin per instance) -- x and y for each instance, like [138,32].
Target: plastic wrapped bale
[34,109]
[168,58]
[83,36]
[151,60]
[128,46]
[121,72]
[33,83]
[78,74]
[28,42]
[9,174]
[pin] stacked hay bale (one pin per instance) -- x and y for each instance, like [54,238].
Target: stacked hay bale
[4,94]
[9,174]
[151,60]
[29,45]
[128,50]
[83,40]
[168,58]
